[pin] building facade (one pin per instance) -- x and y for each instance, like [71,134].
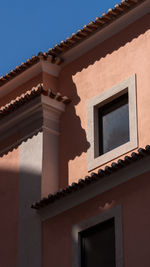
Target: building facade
[75,154]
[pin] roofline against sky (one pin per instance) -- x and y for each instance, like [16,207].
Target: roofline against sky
[90,36]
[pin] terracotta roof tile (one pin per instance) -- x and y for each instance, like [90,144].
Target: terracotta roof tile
[93,178]
[94,26]
[26,65]
[54,55]
[24,98]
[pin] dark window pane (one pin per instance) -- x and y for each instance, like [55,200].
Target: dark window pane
[113,124]
[98,246]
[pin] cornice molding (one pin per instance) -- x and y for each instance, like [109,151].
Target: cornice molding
[40,113]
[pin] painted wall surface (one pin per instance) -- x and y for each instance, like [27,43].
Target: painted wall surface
[20,186]
[29,224]
[9,174]
[50,82]
[50,163]
[133,196]
[111,62]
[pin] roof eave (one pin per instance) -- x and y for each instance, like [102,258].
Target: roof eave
[129,168]
[28,74]
[105,32]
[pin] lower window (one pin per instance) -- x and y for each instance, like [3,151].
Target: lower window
[97,241]
[98,245]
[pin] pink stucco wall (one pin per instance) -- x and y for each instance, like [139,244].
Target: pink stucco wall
[133,196]
[9,187]
[114,60]
[106,65]
[9,173]
[50,82]
[10,167]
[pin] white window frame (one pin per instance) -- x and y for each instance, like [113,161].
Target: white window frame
[114,212]
[128,85]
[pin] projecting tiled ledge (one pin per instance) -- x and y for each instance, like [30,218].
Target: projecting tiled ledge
[94,185]
[27,115]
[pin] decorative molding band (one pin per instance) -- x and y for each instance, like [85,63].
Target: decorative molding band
[29,119]
[50,131]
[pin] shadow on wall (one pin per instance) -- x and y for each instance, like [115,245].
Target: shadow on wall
[113,44]
[73,138]
[20,226]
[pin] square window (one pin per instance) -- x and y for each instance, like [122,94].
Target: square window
[112,123]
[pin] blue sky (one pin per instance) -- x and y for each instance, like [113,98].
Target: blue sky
[30,26]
